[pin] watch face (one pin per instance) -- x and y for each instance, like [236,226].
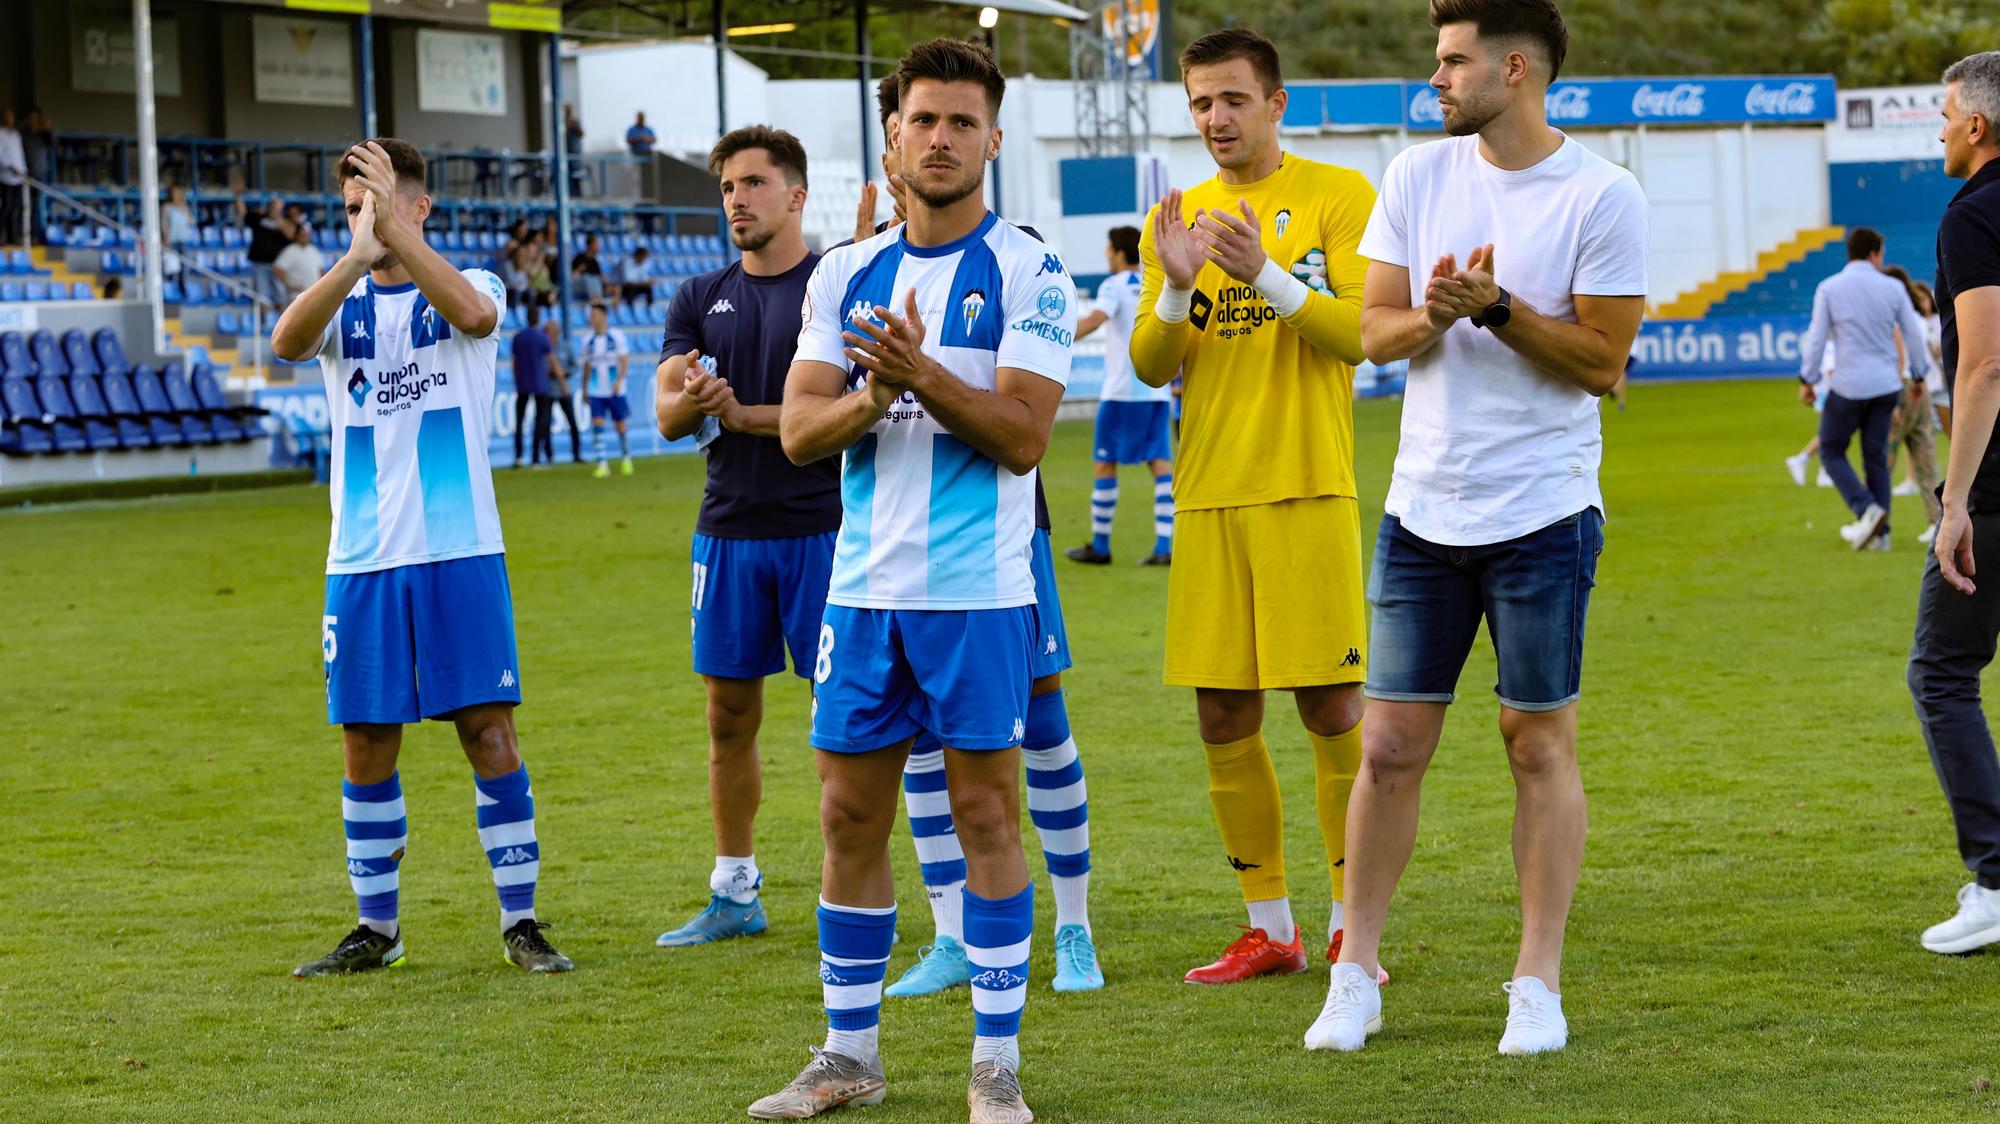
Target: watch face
[1497,315]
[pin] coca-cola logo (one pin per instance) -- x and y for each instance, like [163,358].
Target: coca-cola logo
[1682,99]
[1793,99]
[1569,103]
[1424,107]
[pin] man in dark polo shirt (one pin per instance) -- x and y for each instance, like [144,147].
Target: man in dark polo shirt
[1958,610]
[763,544]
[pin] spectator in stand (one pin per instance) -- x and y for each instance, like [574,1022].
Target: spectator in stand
[514,273]
[587,270]
[295,219]
[114,289]
[534,352]
[170,261]
[635,277]
[572,131]
[268,237]
[176,217]
[300,263]
[640,138]
[13,167]
[534,260]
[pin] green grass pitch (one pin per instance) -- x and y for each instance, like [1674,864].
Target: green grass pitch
[1767,837]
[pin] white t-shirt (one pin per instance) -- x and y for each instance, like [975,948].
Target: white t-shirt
[601,353]
[1492,447]
[928,521]
[1118,298]
[300,265]
[410,400]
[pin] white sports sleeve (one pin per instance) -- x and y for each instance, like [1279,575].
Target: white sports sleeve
[820,317]
[1041,319]
[490,287]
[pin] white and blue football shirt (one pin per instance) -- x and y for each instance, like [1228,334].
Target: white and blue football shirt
[601,352]
[928,522]
[1118,299]
[411,399]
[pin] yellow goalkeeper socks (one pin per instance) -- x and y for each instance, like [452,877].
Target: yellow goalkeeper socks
[1243,787]
[1336,762]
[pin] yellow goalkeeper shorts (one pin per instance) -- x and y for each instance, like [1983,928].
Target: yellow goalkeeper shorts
[1267,596]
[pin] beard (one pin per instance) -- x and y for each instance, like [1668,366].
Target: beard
[1470,115]
[946,194]
[385,262]
[751,239]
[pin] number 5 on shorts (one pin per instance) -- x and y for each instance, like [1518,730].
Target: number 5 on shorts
[328,645]
[823,665]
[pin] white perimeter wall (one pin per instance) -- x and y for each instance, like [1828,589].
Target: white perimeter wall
[1719,195]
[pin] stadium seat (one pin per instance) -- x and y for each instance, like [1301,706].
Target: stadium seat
[22,264]
[194,294]
[126,239]
[170,292]
[36,291]
[208,393]
[25,430]
[180,395]
[80,291]
[76,353]
[227,323]
[14,358]
[10,291]
[116,264]
[59,414]
[208,236]
[123,404]
[54,234]
[57,392]
[110,352]
[188,429]
[45,354]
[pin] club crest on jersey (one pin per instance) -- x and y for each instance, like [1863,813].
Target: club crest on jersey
[973,304]
[1283,220]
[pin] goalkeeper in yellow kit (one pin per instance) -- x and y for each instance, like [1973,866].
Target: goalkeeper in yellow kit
[1252,291]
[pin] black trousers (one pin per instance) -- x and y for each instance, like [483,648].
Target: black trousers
[1954,643]
[542,445]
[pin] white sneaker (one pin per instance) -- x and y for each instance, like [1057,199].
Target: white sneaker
[1824,481]
[1867,526]
[1928,535]
[1879,544]
[1796,465]
[1906,488]
[1535,1023]
[1353,1011]
[1976,925]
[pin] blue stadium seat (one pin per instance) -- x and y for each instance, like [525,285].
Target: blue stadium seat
[59,414]
[46,354]
[208,236]
[194,293]
[180,395]
[227,323]
[37,291]
[97,429]
[80,291]
[116,264]
[110,352]
[188,429]
[55,234]
[116,432]
[170,292]
[20,263]
[208,393]
[126,239]
[14,355]
[130,416]
[25,431]
[77,355]
[10,291]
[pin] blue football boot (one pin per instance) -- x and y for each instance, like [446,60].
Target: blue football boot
[939,967]
[722,920]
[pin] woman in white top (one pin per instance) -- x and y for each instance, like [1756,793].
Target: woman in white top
[177,217]
[1914,419]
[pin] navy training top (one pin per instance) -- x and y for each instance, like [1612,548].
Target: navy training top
[750,326]
[531,361]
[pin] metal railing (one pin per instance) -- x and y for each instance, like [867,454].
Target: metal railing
[260,307]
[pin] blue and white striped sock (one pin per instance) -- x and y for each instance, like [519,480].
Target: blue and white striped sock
[506,810]
[1103,501]
[853,955]
[1163,514]
[997,935]
[939,856]
[1059,806]
[377,831]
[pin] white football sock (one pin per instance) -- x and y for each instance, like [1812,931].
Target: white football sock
[861,1045]
[1072,900]
[1006,1051]
[1274,916]
[736,878]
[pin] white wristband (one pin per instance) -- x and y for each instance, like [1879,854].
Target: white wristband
[1286,293]
[1172,307]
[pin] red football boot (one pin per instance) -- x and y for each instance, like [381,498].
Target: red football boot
[1253,954]
[1333,957]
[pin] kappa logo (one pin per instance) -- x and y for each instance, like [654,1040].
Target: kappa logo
[1020,729]
[973,304]
[828,975]
[513,855]
[1239,865]
[507,677]
[1050,264]
[1353,658]
[360,331]
[722,305]
[357,386]
[1049,644]
[998,979]
[358,869]
[863,310]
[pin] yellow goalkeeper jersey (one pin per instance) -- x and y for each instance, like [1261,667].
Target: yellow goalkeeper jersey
[1267,404]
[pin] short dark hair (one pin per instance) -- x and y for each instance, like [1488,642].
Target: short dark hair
[600,306]
[1236,43]
[1539,20]
[782,147]
[1863,242]
[403,157]
[1125,239]
[534,314]
[888,97]
[945,59]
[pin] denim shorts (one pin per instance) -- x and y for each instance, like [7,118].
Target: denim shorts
[1533,591]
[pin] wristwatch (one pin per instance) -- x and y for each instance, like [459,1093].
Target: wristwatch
[1496,314]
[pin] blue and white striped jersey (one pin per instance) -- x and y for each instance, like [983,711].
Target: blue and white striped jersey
[411,399]
[927,521]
